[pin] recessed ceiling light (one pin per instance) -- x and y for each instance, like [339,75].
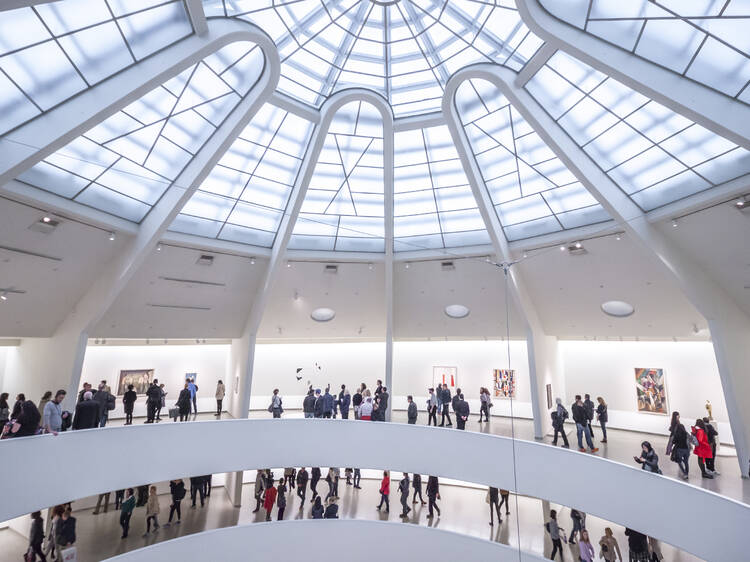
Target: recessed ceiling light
[579,245]
[4,297]
[562,248]
[457,311]
[674,223]
[370,266]
[289,264]
[323,314]
[46,218]
[618,309]
[111,236]
[252,261]
[158,247]
[617,237]
[406,265]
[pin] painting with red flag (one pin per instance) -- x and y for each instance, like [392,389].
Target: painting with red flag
[445,375]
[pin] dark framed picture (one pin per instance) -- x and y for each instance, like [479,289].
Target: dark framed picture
[139,378]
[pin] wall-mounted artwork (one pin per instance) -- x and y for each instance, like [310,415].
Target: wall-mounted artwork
[139,378]
[445,375]
[651,390]
[504,383]
[549,396]
[191,376]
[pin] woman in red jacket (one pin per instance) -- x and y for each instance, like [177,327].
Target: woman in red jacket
[385,489]
[703,448]
[269,501]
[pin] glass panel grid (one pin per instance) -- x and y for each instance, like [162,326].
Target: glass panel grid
[123,165]
[653,154]
[244,197]
[53,51]
[706,40]
[531,189]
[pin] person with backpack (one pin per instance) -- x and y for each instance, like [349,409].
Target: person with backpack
[126,511]
[578,524]
[699,440]
[177,491]
[275,406]
[648,460]
[588,405]
[554,534]
[713,440]
[128,400]
[678,446]
[403,488]
[445,400]
[580,416]
[558,423]
[601,415]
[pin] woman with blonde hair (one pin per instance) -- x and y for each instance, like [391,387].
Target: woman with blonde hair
[585,548]
[601,415]
[609,550]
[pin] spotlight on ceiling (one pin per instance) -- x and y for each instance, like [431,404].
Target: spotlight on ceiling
[252,261]
[406,265]
[578,245]
[289,264]
[323,314]
[674,223]
[743,204]
[370,266]
[4,296]
[562,248]
[158,247]
[111,236]
[46,218]
[618,237]
[456,311]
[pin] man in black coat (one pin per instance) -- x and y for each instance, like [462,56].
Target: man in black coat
[588,405]
[462,412]
[315,471]
[308,404]
[87,413]
[433,493]
[445,399]
[153,401]
[302,478]
[403,488]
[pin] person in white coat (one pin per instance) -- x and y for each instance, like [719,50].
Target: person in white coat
[220,391]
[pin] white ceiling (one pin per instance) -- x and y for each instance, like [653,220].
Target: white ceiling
[52,287]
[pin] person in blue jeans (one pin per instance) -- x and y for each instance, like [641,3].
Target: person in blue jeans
[582,425]
[193,388]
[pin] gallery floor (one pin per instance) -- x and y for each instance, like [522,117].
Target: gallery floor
[464,507]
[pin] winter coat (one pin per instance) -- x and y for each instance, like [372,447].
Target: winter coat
[703,449]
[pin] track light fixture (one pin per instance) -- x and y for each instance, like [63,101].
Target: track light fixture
[252,261]
[111,236]
[158,247]
[674,223]
[46,218]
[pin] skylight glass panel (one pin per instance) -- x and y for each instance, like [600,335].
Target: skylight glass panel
[244,197]
[531,189]
[405,50]
[655,155]
[433,205]
[53,51]
[123,165]
[344,206]
[707,40]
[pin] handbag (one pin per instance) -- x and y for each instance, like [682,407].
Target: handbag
[670,444]
[174,412]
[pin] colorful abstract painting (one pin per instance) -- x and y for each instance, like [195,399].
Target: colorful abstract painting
[651,391]
[504,383]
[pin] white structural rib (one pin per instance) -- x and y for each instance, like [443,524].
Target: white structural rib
[28,144]
[243,348]
[544,367]
[713,110]
[729,325]
[64,352]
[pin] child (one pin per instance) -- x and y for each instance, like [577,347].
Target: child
[152,510]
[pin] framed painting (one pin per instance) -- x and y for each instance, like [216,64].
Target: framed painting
[445,375]
[504,383]
[139,378]
[191,376]
[651,391]
[549,396]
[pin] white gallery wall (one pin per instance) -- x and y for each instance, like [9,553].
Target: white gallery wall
[607,369]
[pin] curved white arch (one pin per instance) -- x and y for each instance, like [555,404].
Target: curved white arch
[127,456]
[292,540]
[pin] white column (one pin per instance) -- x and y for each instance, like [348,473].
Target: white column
[544,366]
[729,325]
[388,147]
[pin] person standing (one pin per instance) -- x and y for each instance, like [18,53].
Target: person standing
[432,406]
[302,478]
[126,511]
[177,491]
[601,415]
[505,500]
[308,404]
[319,404]
[484,404]
[637,545]
[654,550]
[558,423]
[493,499]
[104,399]
[87,413]
[281,500]
[52,415]
[162,401]
[385,490]
[703,448]
[327,404]
[36,534]
[153,399]
[276,403]
[152,510]
[416,484]
[356,402]
[51,545]
[289,477]
[433,494]
[183,403]
[4,409]
[713,441]
[269,501]
[314,479]
[332,510]
[383,405]
[193,388]
[20,399]
[462,412]
[445,399]
[554,534]
[46,397]
[455,399]
[365,409]
[585,548]
[588,405]
[345,400]
[260,486]
[609,550]
[582,425]
[411,411]
[66,530]
[403,488]
[128,399]
[220,392]
[357,476]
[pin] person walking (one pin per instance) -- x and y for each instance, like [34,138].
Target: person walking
[484,404]
[654,550]
[585,548]
[128,400]
[403,488]
[637,545]
[177,491]
[411,411]
[365,409]
[678,446]
[152,510]
[153,400]
[126,511]
[46,397]
[356,477]
[308,404]
[702,448]
[162,401]
[554,534]
[318,510]
[505,500]
[433,494]
[302,478]
[356,402]
[332,479]
[289,477]
[416,484]
[558,423]
[193,388]
[601,415]
[609,550]
[445,399]
[183,403]
[86,413]
[220,393]
[66,530]
[577,517]
[280,500]
[260,486]
[432,407]
[314,479]
[462,412]
[276,404]
[582,425]
[52,414]
[590,408]
[648,460]
[493,499]
[345,400]
[269,501]
[385,490]
[36,535]
[50,547]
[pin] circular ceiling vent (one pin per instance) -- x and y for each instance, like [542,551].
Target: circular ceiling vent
[618,309]
[323,314]
[457,311]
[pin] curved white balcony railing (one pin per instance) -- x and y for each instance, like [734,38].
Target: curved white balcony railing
[48,470]
[297,540]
